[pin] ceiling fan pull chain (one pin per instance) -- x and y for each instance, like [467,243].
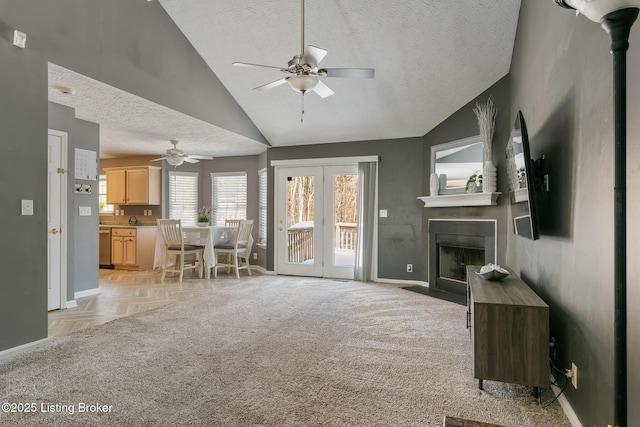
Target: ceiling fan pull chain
[302,108]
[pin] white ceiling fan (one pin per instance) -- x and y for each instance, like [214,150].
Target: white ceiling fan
[304,72]
[175,157]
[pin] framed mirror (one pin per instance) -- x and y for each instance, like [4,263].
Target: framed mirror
[458,160]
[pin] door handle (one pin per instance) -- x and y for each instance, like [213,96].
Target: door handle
[54,231]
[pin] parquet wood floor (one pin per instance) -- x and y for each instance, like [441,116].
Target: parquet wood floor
[124,293]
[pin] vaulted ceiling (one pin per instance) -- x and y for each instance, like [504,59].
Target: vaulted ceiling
[431,57]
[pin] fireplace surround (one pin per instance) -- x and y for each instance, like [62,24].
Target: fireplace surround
[455,243]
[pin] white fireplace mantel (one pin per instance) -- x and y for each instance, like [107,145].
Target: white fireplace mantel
[463,199]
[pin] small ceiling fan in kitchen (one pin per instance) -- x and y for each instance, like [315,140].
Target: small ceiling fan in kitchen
[175,156]
[305,73]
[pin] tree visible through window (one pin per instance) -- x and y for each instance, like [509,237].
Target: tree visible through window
[228,196]
[183,196]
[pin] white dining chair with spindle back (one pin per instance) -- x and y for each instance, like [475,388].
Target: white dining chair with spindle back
[236,249]
[173,238]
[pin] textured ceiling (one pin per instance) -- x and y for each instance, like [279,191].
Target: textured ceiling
[431,57]
[130,125]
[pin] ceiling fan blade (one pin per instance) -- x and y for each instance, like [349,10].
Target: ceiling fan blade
[200,157]
[190,159]
[157,160]
[323,90]
[272,84]
[313,55]
[358,73]
[248,65]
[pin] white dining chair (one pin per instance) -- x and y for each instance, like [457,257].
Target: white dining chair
[232,222]
[171,230]
[236,249]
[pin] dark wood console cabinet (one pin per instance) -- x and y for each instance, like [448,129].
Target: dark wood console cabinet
[509,330]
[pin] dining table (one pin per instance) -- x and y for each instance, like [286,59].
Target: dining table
[206,236]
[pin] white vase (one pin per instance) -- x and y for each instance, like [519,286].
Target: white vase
[489,177]
[434,185]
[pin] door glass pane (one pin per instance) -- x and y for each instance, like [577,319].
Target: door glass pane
[300,192]
[345,192]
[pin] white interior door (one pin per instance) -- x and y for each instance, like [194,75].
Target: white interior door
[56,196]
[316,220]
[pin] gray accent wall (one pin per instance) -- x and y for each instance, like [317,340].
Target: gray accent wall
[561,78]
[399,184]
[463,124]
[130,44]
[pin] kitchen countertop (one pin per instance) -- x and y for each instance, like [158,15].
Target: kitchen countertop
[126,226]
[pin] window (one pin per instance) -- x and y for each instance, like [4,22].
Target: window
[262,206]
[183,196]
[102,196]
[228,196]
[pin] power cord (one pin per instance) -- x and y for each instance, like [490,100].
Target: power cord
[555,374]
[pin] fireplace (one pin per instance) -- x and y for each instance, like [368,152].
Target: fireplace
[454,244]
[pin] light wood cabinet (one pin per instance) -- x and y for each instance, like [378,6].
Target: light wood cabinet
[509,330]
[123,246]
[133,248]
[133,185]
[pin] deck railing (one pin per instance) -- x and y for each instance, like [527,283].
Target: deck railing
[300,241]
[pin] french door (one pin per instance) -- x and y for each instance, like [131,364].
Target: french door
[316,220]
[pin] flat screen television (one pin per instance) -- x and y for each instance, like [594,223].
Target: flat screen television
[523,181]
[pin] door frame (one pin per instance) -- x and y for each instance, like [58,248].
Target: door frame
[328,161]
[64,138]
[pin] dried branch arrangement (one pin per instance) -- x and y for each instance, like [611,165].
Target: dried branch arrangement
[486,115]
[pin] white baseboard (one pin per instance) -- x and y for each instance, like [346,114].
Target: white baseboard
[87,293]
[263,270]
[24,348]
[71,304]
[403,282]
[566,407]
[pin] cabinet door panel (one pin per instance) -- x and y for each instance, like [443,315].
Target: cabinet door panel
[117,250]
[130,249]
[137,186]
[116,187]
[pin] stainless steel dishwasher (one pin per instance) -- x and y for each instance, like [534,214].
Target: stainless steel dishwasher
[105,247]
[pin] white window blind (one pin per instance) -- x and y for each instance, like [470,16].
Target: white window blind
[262,206]
[228,196]
[183,196]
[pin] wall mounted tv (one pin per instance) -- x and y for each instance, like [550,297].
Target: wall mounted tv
[524,178]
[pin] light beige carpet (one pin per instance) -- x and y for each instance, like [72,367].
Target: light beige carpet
[271,351]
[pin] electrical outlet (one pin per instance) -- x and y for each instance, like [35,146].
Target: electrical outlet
[255,255]
[574,375]
[409,268]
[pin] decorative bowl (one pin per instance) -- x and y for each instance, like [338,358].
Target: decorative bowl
[493,275]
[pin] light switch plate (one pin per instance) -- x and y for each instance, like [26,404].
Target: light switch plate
[383,213]
[27,207]
[84,211]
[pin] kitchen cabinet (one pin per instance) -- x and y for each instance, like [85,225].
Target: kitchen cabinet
[123,246]
[133,185]
[133,248]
